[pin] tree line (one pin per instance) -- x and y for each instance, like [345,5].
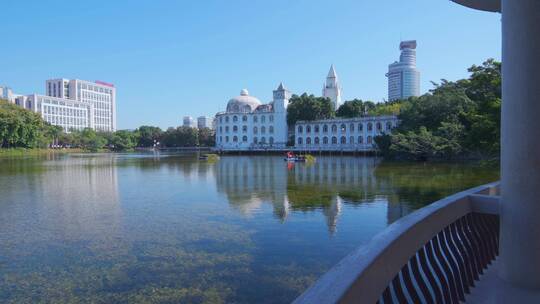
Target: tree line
[20,128]
[455,120]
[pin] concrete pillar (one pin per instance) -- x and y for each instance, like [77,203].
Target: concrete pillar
[520,187]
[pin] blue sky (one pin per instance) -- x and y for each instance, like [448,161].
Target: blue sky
[174,58]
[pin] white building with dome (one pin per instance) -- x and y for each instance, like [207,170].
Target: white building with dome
[248,124]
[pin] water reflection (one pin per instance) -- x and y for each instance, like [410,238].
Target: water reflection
[169,228]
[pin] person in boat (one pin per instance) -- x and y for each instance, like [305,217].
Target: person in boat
[290,154]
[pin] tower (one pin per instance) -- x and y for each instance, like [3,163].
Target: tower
[332,89]
[403,77]
[280,103]
[281,99]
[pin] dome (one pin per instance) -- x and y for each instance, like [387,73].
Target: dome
[243,103]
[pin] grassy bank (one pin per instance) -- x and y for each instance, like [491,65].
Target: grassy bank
[36,152]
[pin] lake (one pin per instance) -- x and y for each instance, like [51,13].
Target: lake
[168,228]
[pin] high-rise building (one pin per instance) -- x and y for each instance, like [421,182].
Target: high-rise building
[332,89]
[72,104]
[99,94]
[204,122]
[403,77]
[188,121]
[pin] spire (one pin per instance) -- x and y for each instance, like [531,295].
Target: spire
[281,87]
[332,72]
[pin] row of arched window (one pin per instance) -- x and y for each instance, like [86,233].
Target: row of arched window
[343,127]
[245,118]
[245,139]
[334,140]
[245,129]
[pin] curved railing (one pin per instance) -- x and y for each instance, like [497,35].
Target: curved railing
[433,255]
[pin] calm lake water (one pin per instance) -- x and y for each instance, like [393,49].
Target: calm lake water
[150,228]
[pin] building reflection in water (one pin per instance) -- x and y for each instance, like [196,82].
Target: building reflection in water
[325,185]
[73,199]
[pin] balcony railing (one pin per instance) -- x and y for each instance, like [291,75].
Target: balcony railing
[433,255]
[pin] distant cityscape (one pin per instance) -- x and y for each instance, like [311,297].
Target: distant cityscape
[246,124]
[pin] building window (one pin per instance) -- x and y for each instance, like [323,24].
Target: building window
[255,130]
[244,118]
[343,128]
[226,118]
[360,127]
[235,128]
[263,140]
[255,119]
[334,140]
[244,129]
[325,129]
[263,130]
[226,138]
[369,139]
[351,140]
[271,118]
[360,140]
[220,129]
[379,126]
[299,140]
[271,129]
[235,118]
[255,140]
[300,129]
[370,127]
[235,139]
[271,140]
[325,140]
[316,140]
[343,140]
[244,138]
[351,127]
[334,128]
[263,119]
[226,128]
[388,126]
[308,141]
[317,129]
[308,129]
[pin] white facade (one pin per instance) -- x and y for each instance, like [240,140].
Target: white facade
[188,121]
[332,88]
[342,134]
[247,124]
[403,77]
[6,93]
[66,113]
[204,122]
[101,95]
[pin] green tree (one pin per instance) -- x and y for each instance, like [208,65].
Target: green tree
[149,135]
[308,107]
[22,128]
[206,137]
[124,140]
[351,108]
[455,119]
[181,137]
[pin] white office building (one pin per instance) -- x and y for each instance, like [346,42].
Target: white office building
[204,122]
[188,121]
[248,124]
[332,88]
[67,113]
[342,134]
[403,77]
[101,95]
[6,93]
[72,104]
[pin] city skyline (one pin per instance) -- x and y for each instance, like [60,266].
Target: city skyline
[191,58]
